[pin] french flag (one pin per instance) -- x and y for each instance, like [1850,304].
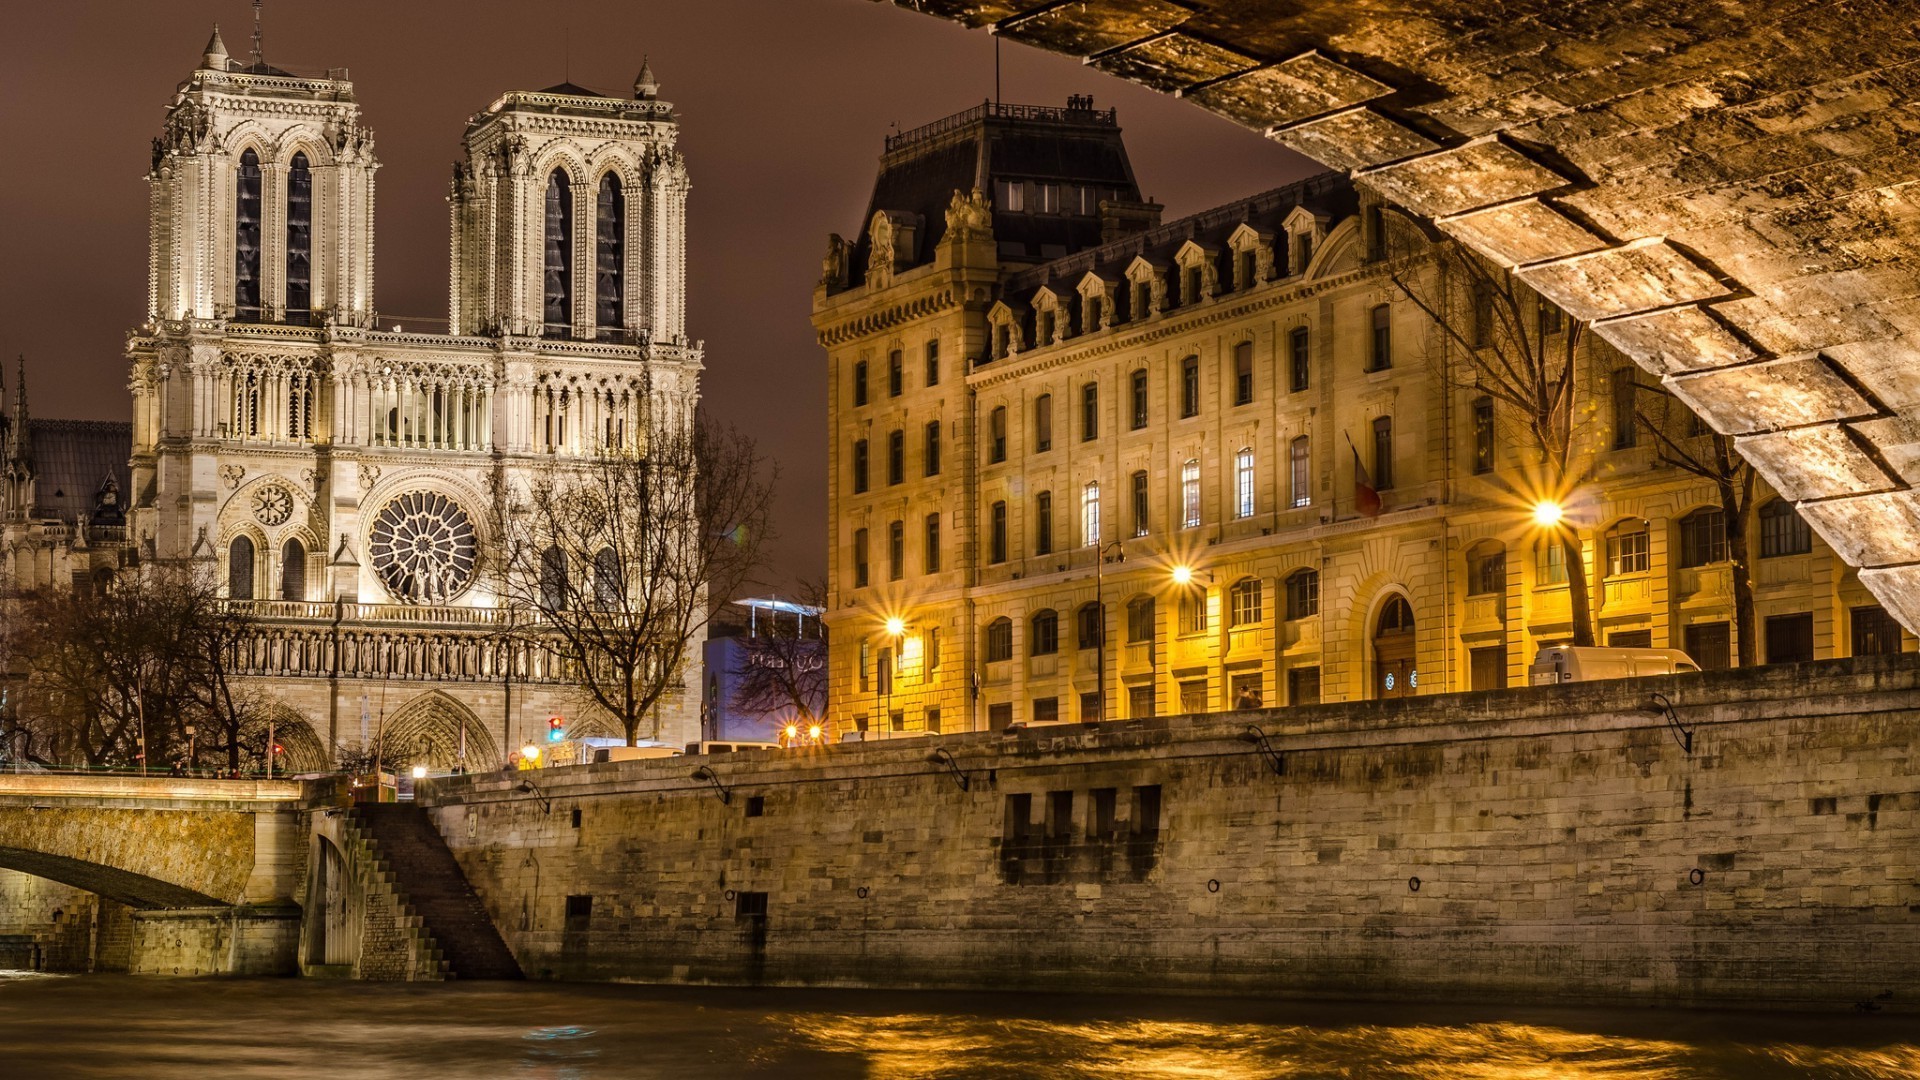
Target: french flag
[1365,498]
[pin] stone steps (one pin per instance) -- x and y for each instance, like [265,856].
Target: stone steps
[435,891]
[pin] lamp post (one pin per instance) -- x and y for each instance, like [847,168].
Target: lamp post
[190,732]
[1100,610]
[896,628]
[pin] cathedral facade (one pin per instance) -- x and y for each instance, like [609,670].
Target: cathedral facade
[345,475]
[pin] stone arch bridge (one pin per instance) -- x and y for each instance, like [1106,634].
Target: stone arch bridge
[1726,190]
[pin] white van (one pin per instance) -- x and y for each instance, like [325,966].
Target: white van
[1567,663]
[632,753]
[717,746]
[882,734]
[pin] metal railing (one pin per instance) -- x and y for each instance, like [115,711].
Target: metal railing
[1045,114]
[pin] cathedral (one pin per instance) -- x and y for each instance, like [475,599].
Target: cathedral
[340,472]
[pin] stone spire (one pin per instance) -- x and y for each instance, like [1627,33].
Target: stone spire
[645,86]
[19,450]
[215,58]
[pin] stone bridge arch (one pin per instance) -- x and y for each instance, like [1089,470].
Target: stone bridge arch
[1724,191]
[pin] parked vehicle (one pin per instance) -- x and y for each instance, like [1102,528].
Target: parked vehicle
[877,735]
[716,746]
[1566,663]
[632,753]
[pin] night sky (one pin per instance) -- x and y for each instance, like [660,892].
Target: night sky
[783,103]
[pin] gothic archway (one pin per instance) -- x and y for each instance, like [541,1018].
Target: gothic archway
[1394,675]
[436,731]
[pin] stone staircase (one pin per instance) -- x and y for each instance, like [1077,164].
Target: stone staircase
[431,895]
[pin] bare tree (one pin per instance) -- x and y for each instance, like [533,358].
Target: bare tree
[618,555]
[783,666]
[1501,331]
[1711,456]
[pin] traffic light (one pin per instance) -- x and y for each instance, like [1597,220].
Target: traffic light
[556,728]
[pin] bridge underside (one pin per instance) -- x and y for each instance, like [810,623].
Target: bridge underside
[120,886]
[1725,190]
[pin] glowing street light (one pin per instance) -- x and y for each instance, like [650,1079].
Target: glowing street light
[896,626]
[530,754]
[1547,513]
[1183,575]
[419,772]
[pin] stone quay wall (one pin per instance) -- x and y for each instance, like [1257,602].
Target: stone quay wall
[1558,844]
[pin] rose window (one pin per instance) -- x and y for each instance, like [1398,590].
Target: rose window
[423,548]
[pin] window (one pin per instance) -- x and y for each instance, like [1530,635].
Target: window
[1043,423]
[1302,252]
[1382,452]
[997,434]
[1299,360]
[1193,695]
[1193,610]
[896,456]
[610,254]
[240,566]
[896,550]
[1196,286]
[932,551]
[1090,514]
[1140,619]
[299,240]
[1139,399]
[1190,387]
[1303,686]
[1625,431]
[933,363]
[1627,548]
[997,537]
[860,383]
[1247,691]
[293,571]
[999,640]
[553,579]
[1243,373]
[246,239]
[579,913]
[1142,301]
[1010,195]
[999,716]
[1190,494]
[1783,531]
[1703,538]
[1248,268]
[1087,628]
[1710,645]
[1244,603]
[1487,572]
[1630,639]
[1549,317]
[859,466]
[1046,198]
[1376,234]
[1483,435]
[930,648]
[1140,503]
[607,592]
[1046,710]
[1487,668]
[1380,358]
[1299,469]
[1303,594]
[558,311]
[1790,638]
[1045,639]
[884,668]
[1140,701]
[1043,327]
[930,453]
[1243,482]
[896,374]
[1089,412]
[1874,632]
[1551,563]
[1043,523]
[1481,301]
[933,721]
[859,558]
[866,676]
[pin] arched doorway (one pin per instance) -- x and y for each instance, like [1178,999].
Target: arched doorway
[436,731]
[1394,675]
[330,937]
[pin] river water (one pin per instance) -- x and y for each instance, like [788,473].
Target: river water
[55,1027]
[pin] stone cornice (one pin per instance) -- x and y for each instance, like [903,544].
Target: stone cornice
[945,297]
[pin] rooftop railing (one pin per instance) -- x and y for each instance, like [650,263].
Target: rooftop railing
[995,110]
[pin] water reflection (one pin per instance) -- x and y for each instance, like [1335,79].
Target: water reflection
[109,1026]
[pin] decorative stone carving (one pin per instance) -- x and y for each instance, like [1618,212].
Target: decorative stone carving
[369,473]
[423,547]
[313,477]
[833,267]
[969,216]
[273,504]
[231,474]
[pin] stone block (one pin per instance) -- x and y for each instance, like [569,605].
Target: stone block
[1479,173]
[1523,232]
[1869,530]
[1676,339]
[1897,440]
[1769,396]
[969,12]
[1173,62]
[1353,138]
[1093,26]
[1819,462]
[1641,276]
[1288,92]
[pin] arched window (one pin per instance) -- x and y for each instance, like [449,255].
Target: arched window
[553,579]
[1487,570]
[299,241]
[1090,514]
[1140,619]
[1045,640]
[1393,651]
[1783,531]
[246,239]
[1627,548]
[999,640]
[1088,626]
[1244,603]
[559,258]
[293,571]
[1380,356]
[1193,610]
[246,405]
[1303,594]
[610,231]
[240,568]
[606,580]
[1703,537]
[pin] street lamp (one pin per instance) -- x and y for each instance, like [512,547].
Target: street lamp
[190,748]
[1100,609]
[1548,513]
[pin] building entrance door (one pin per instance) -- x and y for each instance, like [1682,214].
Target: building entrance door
[1394,674]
